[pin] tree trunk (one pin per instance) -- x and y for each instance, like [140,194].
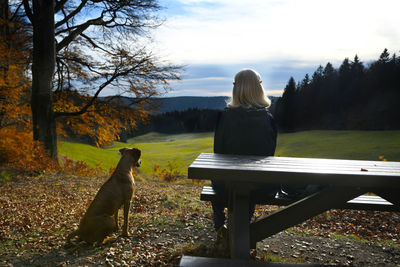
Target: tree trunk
[4,17]
[4,37]
[4,63]
[44,123]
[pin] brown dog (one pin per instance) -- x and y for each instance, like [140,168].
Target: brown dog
[101,218]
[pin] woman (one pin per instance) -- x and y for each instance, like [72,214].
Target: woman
[245,127]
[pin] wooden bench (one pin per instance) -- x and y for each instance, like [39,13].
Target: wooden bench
[344,183]
[363,202]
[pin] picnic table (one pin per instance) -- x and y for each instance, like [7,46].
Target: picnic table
[343,181]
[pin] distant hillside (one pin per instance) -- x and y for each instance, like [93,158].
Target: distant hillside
[167,104]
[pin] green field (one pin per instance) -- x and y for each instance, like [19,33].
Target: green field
[157,149]
[181,149]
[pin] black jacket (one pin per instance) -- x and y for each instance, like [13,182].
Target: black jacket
[242,131]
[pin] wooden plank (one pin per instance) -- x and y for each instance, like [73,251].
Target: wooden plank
[300,176]
[370,199]
[300,211]
[312,168]
[216,157]
[359,203]
[369,203]
[287,177]
[192,261]
[391,195]
[296,163]
[366,169]
[354,169]
[229,159]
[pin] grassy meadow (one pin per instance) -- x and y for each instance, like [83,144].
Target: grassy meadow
[157,149]
[180,150]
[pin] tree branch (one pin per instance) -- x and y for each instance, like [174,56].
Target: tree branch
[72,14]
[95,45]
[16,12]
[59,5]
[28,11]
[83,63]
[91,102]
[78,30]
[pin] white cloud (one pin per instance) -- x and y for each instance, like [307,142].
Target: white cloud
[231,31]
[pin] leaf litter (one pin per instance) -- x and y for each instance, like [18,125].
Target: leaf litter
[166,221]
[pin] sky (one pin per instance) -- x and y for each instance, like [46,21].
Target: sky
[214,39]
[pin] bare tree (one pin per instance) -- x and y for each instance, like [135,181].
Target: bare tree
[88,46]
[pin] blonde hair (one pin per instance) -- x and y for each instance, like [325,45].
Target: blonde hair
[248,91]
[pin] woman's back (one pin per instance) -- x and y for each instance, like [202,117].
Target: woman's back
[245,131]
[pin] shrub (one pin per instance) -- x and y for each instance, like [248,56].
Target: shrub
[169,174]
[79,168]
[17,149]
[5,177]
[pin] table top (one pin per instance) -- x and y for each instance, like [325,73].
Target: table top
[291,170]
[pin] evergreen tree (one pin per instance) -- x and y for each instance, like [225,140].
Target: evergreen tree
[384,57]
[357,67]
[305,82]
[318,75]
[328,71]
[287,121]
[353,97]
[344,69]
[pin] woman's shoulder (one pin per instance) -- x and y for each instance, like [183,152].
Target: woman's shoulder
[244,110]
[239,114]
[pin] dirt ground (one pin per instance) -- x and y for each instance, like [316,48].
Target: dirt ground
[168,220]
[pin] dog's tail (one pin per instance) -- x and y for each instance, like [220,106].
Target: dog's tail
[71,235]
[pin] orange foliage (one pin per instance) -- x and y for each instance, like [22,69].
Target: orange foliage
[79,168]
[17,149]
[14,84]
[102,123]
[169,174]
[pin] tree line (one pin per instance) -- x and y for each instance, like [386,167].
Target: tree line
[355,96]
[192,120]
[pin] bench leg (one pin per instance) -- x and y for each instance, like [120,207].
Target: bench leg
[300,211]
[238,223]
[392,196]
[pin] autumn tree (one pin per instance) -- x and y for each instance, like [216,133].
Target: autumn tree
[17,148]
[14,61]
[80,49]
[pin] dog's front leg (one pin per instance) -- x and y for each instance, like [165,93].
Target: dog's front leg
[127,206]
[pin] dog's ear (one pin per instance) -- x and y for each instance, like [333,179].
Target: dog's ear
[136,152]
[123,150]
